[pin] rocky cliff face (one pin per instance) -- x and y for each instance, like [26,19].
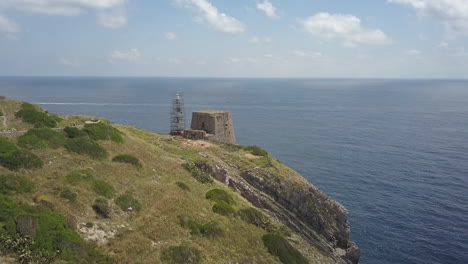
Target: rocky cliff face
[299,205]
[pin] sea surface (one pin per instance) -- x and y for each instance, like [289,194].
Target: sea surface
[394,152]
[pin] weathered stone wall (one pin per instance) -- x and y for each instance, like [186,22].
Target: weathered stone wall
[217,123]
[195,134]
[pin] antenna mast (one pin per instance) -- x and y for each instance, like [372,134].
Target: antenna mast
[177,115]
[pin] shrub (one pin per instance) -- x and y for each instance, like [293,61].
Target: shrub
[13,158]
[101,131]
[69,195]
[14,183]
[219,195]
[37,138]
[102,207]
[210,229]
[257,151]
[128,203]
[198,174]
[103,188]
[77,176]
[223,208]
[255,217]
[280,247]
[73,132]
[1,113]
[182,186]
[125,158]
[181,255]
[31,114]
[85,145]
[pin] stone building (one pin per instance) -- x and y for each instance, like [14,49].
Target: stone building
[213,125]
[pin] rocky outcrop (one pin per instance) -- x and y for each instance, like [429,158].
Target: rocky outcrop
[300,206]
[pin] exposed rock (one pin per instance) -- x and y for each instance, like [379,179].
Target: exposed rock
[27,225]
[100,233]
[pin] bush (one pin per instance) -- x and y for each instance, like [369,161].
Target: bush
[182,186]
[181,255]
[210,229]
[1,113]
[219,195]
[280,247]
[128,203]
[255,217]
[77,176]
[73,132]
[14,183]
[37,138]
[85,145]
[102,207]
[125,158]
[223,208]
[257,151]
[31,114]
[13,158]
[198,174]
[69,195]
[101,131]
[103,188]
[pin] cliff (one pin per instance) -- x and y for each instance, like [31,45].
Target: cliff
[108,193]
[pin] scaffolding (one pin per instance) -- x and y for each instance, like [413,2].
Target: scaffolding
[177,115]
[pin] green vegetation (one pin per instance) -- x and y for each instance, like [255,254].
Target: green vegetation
[1,113]
[128,203]
[77,176]
[13,158]
[219,195]
[255,217]
[125,158]
[101,131]
[182,186]
[39,235]
[73,132]
[181,255]
[103,188]
[223,208]
[210,229]
[102,207]
[31,114]
[38,138]
[69,195]
[11,183]
[257,151]
[87,146]
[280,247]
[198,174]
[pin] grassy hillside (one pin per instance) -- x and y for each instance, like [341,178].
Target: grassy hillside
[137,200]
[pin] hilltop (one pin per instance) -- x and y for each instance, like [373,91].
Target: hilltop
[77,189]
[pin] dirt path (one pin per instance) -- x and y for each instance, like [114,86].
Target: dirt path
[4,119]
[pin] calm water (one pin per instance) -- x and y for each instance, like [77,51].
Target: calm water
[393,152]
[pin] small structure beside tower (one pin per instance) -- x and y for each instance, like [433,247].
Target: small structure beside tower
[212,125]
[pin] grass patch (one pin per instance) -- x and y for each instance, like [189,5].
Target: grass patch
[69,195]
[182,186]
[219,195]
[210,229]
[77,176]
[280,247]
[198,174]
[103,188]
[102,207]
[181,255]
[11,183]
[223,208]
[86,146]
[101,131]
[38,138]
[125,158]
[74,132]
[13,158]
[128,203]
[33,115]
[257,151]
[255,217]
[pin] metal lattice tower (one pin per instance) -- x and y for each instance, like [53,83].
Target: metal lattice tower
[177,115]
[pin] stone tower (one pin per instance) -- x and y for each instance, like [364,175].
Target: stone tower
[217,126]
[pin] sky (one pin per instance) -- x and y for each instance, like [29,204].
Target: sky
[235,38]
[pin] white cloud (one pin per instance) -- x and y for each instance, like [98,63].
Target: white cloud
[8,26]
[170,36]
[413,52]
[443,45]
[260,40]
[131,55]
[452,13]
[460,52]
[69,62]
[111,13]
[212,16]
[303,53]
[268,8]
[345,27]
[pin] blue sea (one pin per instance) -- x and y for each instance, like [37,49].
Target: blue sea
[394,152]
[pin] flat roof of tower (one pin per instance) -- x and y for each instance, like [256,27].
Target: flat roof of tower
[211,112]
